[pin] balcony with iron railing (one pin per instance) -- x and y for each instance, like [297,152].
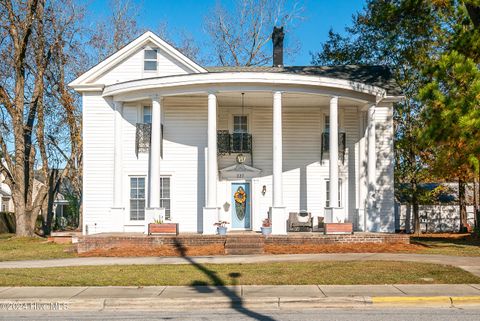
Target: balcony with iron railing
[228,143]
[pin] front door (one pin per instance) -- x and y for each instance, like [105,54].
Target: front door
[241,204]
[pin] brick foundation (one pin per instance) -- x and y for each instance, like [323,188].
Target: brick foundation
[106,241]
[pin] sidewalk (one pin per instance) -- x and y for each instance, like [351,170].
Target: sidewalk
[243,296]
[470,264]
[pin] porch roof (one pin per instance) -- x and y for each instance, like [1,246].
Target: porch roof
[378,76]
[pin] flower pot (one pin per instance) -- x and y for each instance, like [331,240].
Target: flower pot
[266,230]
[222,230]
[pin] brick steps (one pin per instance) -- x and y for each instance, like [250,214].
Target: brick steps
[244,245]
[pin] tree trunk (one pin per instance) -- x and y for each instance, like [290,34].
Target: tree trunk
[416,216]
[23,220]
[463,206]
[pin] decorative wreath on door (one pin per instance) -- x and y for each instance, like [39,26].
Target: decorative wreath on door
[240,198]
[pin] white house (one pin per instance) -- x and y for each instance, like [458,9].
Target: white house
[163,134]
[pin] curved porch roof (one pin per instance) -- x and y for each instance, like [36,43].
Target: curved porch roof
[319,81]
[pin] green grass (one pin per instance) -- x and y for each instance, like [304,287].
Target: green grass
[446,246]
[368,272]
[13,248]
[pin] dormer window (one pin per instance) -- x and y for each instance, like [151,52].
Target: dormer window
[150,60]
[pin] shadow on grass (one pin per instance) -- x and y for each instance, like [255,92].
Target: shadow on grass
[203,287]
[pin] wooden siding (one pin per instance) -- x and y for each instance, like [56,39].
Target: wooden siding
[185,142]
[132,68]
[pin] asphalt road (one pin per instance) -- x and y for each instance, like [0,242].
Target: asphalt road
[433,314]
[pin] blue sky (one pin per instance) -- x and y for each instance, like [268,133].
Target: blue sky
[188,15]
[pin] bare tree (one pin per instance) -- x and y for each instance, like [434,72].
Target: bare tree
[182,40]
[114,31]
[240,35]
[32,31]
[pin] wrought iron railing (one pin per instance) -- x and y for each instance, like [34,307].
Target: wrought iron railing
[142,137]
[233,143]
[342,141]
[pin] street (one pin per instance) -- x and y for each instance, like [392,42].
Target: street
[372,314]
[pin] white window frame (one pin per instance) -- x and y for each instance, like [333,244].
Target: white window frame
[248,122]
[327,192]
[143,113]
[145,59]
[170,195]
[130,197]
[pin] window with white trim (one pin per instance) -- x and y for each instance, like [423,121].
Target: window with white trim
[327,124]
[240,124]
[147,114]
[137,198]
[327,196]
[165,200]
[150,60]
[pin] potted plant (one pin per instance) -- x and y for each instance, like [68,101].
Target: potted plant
[266,226]
[221,227]
[160,227]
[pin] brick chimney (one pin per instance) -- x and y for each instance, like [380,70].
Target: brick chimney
[277,39]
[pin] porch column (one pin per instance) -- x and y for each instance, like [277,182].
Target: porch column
[277,211]
[371,167]
[334,213]
[211,210]
[212,152]
[117,160]
[333,152]
[154,164]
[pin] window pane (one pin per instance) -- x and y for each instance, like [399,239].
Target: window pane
[150,54]
[137,198]
[147,115]
[150,65]
[327,124]
[240,124]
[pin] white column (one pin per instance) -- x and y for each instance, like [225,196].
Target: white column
[212,152]
[371,166]
[211,210]
[117,160]
[333,152]
[277,211]
[155,143]
[277,150]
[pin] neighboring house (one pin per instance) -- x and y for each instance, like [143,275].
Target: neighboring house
[60,203]
[163,134]
[6,196]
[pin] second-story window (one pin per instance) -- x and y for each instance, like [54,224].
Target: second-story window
[240,124]
[150,60]
[147,114]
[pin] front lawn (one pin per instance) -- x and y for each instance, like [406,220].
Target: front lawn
[363,272]
[14,248]
[447,244]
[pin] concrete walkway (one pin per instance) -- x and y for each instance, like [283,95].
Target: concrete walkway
[242,296]
[470,264]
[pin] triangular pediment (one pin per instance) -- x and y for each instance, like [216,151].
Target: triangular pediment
[98,75]
[239,171]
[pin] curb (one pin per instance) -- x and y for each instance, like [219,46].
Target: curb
[169,304]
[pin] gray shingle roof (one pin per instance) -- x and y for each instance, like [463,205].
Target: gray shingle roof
[380,76]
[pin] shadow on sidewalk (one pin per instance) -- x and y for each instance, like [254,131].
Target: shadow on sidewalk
[202,287]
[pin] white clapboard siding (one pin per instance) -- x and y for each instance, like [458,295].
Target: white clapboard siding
[351,124]
[185,142]
[132,68]
[384,149]
[98,142]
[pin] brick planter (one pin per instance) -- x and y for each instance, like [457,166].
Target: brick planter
[338,228]
[164,228]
